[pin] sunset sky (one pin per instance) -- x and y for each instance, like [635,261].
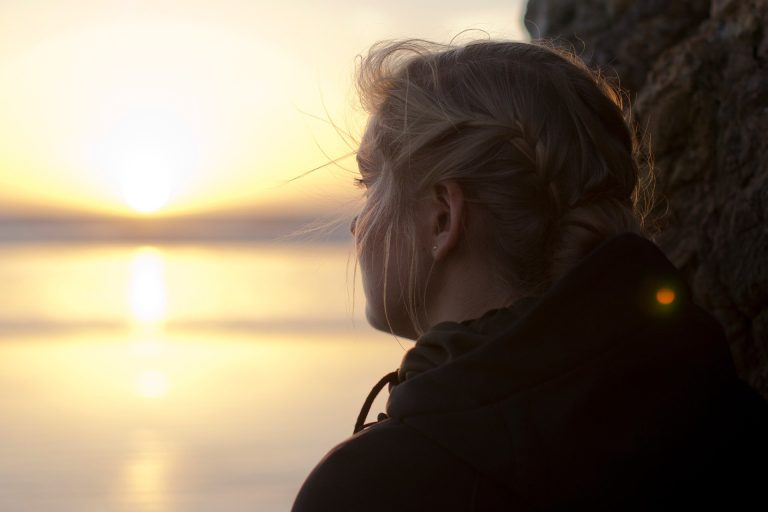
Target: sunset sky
[194,106]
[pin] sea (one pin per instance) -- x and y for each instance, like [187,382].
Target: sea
[178,377]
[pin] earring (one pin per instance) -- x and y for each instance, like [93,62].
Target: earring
[434,248]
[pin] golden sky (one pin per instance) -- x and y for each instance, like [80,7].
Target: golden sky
[194,106]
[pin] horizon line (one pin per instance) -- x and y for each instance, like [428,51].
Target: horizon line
[208,228]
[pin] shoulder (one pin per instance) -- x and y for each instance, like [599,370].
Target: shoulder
[387,466]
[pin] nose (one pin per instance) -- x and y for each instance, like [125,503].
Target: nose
[353,225]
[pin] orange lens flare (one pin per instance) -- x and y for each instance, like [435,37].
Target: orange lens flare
[665,296]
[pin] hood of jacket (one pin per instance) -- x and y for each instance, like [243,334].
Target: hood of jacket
[604,382]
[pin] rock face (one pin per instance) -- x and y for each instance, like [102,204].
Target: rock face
[697,74]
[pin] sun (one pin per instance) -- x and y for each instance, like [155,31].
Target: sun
[146,186]
[147,155]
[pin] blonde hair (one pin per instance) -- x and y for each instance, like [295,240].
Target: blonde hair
[538,143]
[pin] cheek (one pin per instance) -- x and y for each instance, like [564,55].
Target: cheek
[387,307]
[370,250]
[372,273]
[370,257]
[368,236]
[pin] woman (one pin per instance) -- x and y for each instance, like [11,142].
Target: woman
[560,363]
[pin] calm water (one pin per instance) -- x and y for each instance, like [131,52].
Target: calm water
[165,379]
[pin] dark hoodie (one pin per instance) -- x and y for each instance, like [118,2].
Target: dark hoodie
[595,396]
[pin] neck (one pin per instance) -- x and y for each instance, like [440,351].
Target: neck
[461,288]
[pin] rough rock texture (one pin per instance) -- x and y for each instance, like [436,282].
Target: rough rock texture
[697,72]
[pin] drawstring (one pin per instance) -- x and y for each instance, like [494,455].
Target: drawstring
[390,378]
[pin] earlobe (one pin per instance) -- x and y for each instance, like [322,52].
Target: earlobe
[447,223]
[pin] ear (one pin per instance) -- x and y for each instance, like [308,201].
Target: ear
[446,218]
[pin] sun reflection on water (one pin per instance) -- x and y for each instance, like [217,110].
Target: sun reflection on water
[148,291]
[149,347]
[152,384]
[148,304]
[146,474]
